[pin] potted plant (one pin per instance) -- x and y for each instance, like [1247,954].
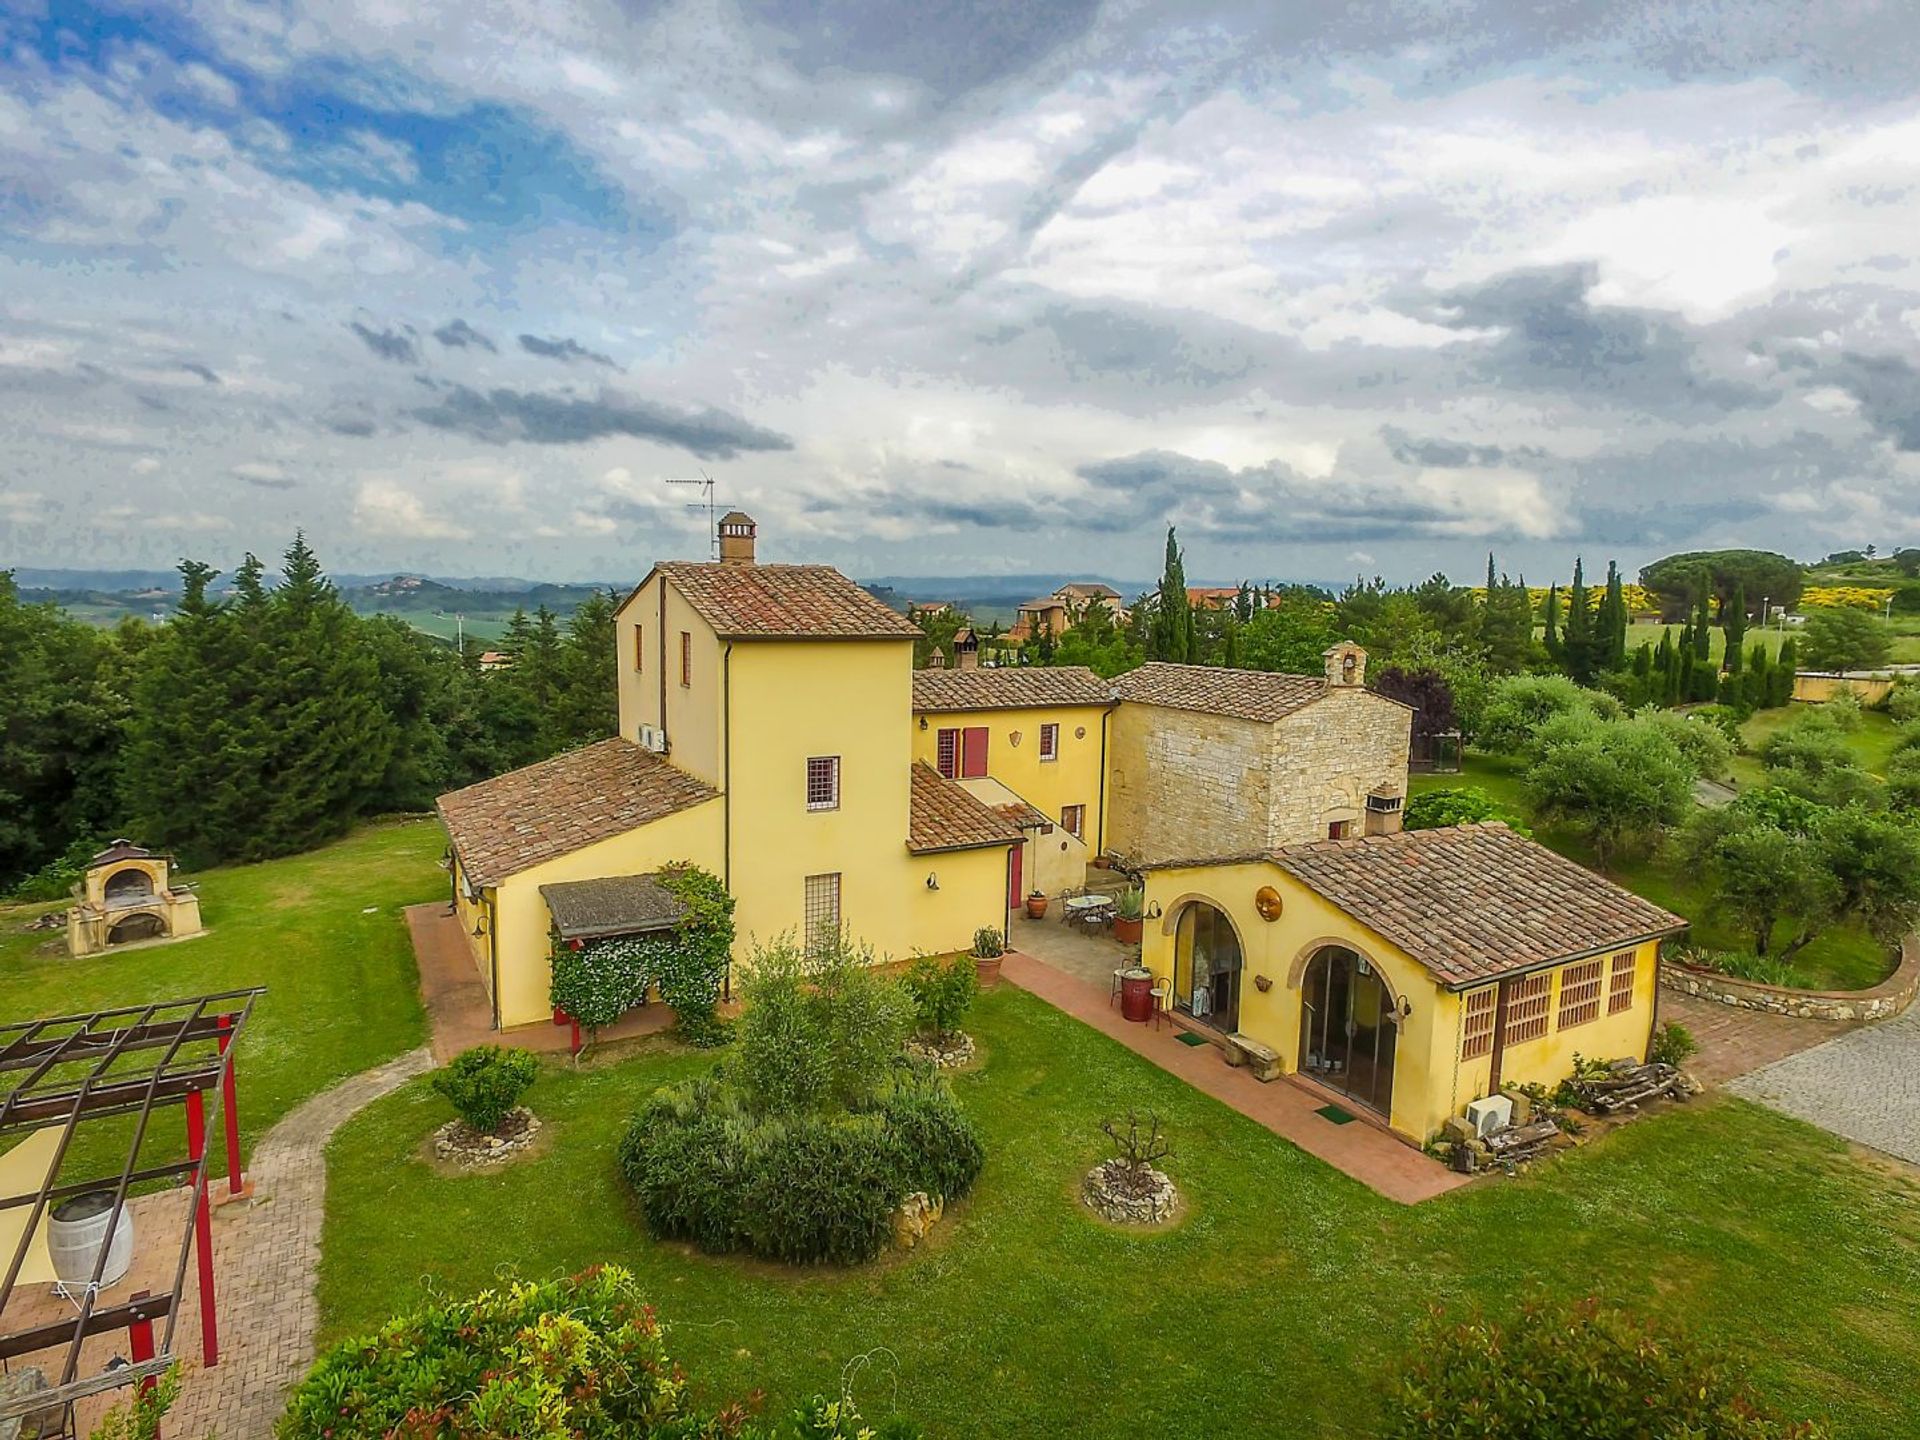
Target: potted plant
[1037,905]
[1129,912]
[988,948]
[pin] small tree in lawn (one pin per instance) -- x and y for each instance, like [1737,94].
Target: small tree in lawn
[1844,638]
[484,1084]
[818,1029]
[1620,783]
[942,991]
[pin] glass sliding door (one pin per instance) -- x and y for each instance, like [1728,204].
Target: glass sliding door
[1206,967]
[1348,1032]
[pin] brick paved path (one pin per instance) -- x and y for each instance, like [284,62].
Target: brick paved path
[1734,1041]
[1864,1085]
[265,1256]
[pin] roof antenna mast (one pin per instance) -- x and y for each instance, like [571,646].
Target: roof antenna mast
[708,503]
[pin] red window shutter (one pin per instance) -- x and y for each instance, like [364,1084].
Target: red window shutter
[973,752]
[949,754]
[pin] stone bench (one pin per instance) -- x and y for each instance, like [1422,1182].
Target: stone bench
[1262,1060]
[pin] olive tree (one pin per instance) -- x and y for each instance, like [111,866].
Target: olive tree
[1618,783]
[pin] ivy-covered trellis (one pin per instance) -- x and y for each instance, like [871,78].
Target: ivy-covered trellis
[600,980]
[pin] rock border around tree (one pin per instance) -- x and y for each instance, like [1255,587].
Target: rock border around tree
[1136,1196]
[458,1143]
[1885,1000]
[952,1051]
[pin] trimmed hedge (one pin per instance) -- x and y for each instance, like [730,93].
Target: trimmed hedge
[803,1187]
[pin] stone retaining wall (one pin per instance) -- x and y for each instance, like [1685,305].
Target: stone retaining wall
[1882,1002]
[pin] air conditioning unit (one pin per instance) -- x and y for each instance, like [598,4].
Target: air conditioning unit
[653,738]
[1491,1114]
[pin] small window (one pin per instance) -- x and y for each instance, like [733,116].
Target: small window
[949,756]
[1580,993]
[1050,743]
[1476,1036]
[639,650]
[823,912]
[1339,829]
[1626,969]
[1073,819]
[1527,1002]
[823,782]
[686,659]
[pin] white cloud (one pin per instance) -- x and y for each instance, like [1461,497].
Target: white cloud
[385,510]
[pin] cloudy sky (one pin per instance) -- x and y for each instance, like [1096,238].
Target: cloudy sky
[967,287]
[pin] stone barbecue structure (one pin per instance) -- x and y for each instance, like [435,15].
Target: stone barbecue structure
[126,895]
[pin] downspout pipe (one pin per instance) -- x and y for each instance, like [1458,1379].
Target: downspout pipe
[1100,832]
[490,898]
[726,794]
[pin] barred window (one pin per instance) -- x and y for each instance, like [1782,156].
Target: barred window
[823,912]
[686,658]
[1626,969]
[1476,1037]
[1580,993]
[1527,1001]
[1049,742]
[639,649]
[823,782]
[949,762]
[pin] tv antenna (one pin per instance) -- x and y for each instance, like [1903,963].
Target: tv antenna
[708,503]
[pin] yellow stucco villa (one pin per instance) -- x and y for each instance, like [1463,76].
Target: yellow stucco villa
[774,731]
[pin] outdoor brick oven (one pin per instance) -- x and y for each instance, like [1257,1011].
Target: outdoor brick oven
[127,894]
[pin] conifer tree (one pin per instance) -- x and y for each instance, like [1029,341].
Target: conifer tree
[1580,645]
[1551,639]
[1733,621]
[1783,673]
[1613,621]
[1666,667]
[1172,633]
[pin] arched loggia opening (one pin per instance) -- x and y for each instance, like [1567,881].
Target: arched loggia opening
[1349,1026]
[1207,963]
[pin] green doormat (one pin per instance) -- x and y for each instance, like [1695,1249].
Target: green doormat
[1335,1114]
[1187,1037]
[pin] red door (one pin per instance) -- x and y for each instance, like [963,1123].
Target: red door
[1015,895]
[973,752]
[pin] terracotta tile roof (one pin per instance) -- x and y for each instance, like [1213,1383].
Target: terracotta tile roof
[793,602]
[1241,694]
[1473,902]
[942,816]
[513,821]
[1009,687]
[1024,814]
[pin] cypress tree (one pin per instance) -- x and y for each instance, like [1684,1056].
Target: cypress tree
[1783,673]
[1172,633]
[1756,682]
[1733,620]
[1613,620]
[1580,644]
[1703,625]
[1551,639]
[1665,666]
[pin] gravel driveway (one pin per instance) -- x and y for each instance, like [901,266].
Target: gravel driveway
[1864,1085]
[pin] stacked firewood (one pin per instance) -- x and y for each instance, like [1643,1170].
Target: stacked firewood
[1627,1083]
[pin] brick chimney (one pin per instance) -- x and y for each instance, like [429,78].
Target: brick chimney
[1346,664]
[966,649]
[936,661]
[736,538]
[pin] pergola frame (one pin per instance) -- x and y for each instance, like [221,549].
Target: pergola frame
[68,1069]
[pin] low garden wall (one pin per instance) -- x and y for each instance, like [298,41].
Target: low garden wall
[1887,999]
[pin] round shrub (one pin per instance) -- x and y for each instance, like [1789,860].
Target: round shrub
[804,1187]
[485,1083]
[942,992]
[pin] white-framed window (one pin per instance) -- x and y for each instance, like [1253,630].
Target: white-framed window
[822,911]
[1073,820]
[823,782]
[1049,742]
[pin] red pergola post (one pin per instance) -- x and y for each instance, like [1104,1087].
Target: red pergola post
[230,1109]
[140,1340]
[203,1231]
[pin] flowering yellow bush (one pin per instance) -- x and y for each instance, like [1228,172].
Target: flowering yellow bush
[1837,597]
[1640,600]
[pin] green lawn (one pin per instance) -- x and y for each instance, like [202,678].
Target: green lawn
[322,931]
[1873,741]
[1279,1307]
[1844,959]
[1650,631]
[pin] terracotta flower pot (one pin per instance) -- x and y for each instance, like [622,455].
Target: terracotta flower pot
[987,968]
[1126,931]
[1036,907]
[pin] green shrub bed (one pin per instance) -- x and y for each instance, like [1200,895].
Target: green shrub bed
[799,1187]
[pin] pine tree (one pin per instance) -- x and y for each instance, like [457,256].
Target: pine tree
[1172,633]
[1733,620]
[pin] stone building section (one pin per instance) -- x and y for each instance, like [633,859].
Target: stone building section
[1208,761]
